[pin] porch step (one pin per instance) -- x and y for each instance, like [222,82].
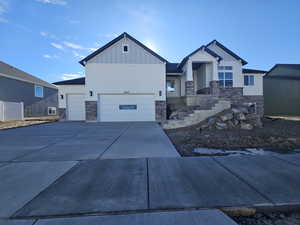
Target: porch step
[197,116]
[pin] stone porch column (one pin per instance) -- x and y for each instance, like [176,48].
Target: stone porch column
[189,83]
[91,111]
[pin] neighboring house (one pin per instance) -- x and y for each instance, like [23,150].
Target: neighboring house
[126,81]
[282,90]
[39,97]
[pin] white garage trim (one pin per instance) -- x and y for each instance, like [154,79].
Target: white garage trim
[75,107]
[126,107]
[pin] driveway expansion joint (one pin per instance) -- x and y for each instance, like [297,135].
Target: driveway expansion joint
[244,181]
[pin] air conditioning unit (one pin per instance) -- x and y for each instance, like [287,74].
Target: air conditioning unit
[52,111]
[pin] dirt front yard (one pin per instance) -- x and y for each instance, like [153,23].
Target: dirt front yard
[277,134]
[26,122]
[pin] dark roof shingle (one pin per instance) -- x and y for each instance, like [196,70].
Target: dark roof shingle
[14,73]
[77,81]
[173,68]
[246,70]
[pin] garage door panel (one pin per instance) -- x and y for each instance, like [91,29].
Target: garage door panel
[76,108]
[127,108]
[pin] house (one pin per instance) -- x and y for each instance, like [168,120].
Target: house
[282,90]
[39,97]
[126,81]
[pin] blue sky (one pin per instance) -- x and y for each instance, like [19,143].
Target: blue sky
[47,38]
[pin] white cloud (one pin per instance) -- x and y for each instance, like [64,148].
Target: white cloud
[72,45]
[3,10]
[68,76]
[3,6]
[77,55]
[55,2]
[74,21]
[47,56]
[58,46]
[50,56]
[3,20]
[43,33]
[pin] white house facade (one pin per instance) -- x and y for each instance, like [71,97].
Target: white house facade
[126,81]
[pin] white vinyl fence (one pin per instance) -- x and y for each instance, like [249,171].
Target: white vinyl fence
[11,111]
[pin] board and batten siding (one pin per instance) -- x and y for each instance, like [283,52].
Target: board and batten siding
[134,72]
[135,55]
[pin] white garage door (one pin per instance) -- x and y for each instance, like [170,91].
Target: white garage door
[126,108]
[76,109]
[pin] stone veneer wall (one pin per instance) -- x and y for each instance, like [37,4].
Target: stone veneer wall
[160,111]
[62,114]
[236,97]
[189,88]
[91,110]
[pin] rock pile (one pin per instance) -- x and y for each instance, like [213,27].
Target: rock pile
[240,117]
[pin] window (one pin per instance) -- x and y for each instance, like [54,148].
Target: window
[225,79]
[248,80]
[51,111]
[224,67]
[127,107]
[125,48]
[38,91]
[171,86]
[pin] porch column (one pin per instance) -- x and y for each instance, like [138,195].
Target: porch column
[189,83]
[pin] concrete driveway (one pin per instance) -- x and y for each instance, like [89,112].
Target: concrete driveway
[58,170]
[73,141]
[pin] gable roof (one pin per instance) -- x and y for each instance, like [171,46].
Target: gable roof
[204,48]
[284,71]
[77,81]
[123,35]
[173,68]
[244,62]
[14,73]
[246,70]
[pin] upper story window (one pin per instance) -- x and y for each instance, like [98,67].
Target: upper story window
[249,80]
[125,48]
[224,67]
[38,91]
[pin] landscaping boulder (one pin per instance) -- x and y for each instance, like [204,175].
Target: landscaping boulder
[241,116]
[221,126]
[246,126]
[227,116]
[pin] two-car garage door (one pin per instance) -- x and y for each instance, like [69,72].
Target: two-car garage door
[126,108]
[114,107]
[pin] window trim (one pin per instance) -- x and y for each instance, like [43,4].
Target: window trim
[249,84]
[125,45]
[35,91]
[224,71]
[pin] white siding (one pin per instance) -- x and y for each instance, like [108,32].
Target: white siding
[135,55]
[257,88]
[225,56]
[126,78]
[68,89]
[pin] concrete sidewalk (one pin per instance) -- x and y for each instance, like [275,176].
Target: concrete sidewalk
[122,185]
[200,217]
